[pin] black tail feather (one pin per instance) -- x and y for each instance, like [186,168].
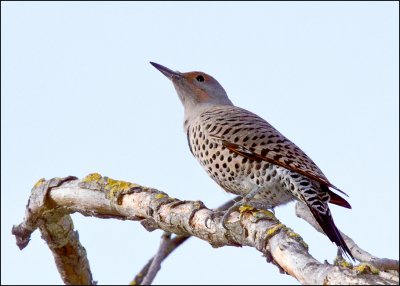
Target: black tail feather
[328,226]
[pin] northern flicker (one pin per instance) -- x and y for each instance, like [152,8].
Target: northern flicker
[247,156]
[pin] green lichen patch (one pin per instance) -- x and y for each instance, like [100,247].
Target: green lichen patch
[38,183]
[245,208]
[296,237]
[115,189]
[160,196]
[346,264]
[93,177]
[92,181]
[274,230]
[263,215]
[366,268]
[339,261]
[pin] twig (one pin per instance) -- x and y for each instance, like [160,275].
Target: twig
[360,254]
[155,265]
[171,245]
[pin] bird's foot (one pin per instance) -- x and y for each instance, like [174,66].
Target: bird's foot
[245,205]
[227,213]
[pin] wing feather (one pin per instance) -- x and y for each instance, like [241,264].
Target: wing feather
[251,136]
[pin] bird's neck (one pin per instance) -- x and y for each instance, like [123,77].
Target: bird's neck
[191,114]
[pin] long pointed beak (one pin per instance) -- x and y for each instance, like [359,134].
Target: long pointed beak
[167,72]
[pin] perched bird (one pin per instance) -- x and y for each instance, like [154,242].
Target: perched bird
[247,156]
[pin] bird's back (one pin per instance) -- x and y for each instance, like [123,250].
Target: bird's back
[247,134]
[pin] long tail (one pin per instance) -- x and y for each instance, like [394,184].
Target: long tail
[327,224]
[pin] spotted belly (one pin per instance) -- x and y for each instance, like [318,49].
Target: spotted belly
[240,175]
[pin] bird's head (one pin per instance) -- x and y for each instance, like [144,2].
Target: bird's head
[196,90]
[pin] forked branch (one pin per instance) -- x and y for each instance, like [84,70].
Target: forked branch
[51,203]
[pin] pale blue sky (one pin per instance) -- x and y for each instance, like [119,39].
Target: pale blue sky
[79,96]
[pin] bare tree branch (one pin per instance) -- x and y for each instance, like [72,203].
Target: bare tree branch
[171,245]
[58,231]
[102,197]
[360,254]
[155,265]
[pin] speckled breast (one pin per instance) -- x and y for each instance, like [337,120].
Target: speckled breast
[235,173]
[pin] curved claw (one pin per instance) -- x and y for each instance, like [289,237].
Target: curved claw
[228,212]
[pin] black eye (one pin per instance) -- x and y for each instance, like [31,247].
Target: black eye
[200,78]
